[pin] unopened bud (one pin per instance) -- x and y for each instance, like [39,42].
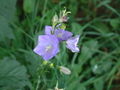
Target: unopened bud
[45,62]
[65,70]
[52,65]
[55,19]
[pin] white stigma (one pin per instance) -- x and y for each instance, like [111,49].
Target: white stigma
[48,48]
[59,35]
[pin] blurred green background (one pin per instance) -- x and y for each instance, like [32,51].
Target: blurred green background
[95,67]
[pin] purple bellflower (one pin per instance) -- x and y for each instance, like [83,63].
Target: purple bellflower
[62,34]
[48,30]
[59,33]
[72,43]
[48,46]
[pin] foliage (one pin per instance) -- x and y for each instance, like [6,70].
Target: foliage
[95,67]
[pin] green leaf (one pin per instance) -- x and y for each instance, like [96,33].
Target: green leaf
[28,6]
[88,50]
[73,85]
[7,15]
[33,62]
[13,75]
[76,28]
[81,87]
[102,67]
[5,30]
[77,69]
[101,27]
[115,23]
[99,84]
[7,9]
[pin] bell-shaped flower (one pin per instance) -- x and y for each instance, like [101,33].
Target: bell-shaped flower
[72,43]
[59,33]
[48,46]
[62,34]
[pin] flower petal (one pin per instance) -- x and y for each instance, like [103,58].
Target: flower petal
[72,43]
[62,34]
[48,46]
[48,30]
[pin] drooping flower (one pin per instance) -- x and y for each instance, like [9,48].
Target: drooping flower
[48,46]
[72,43]
[59,33]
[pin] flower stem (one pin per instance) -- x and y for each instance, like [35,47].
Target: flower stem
[38,82]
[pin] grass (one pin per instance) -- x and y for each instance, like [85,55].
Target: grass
[95,67]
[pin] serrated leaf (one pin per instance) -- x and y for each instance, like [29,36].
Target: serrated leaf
[7,9]
[7,15]
[33,62]
[13,75]
[5,30]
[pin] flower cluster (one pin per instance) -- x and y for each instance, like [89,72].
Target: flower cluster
[48,44]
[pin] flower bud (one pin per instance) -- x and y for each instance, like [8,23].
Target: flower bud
[45,62]
[64,16]
[65,70]
[55,19]
[52,65]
